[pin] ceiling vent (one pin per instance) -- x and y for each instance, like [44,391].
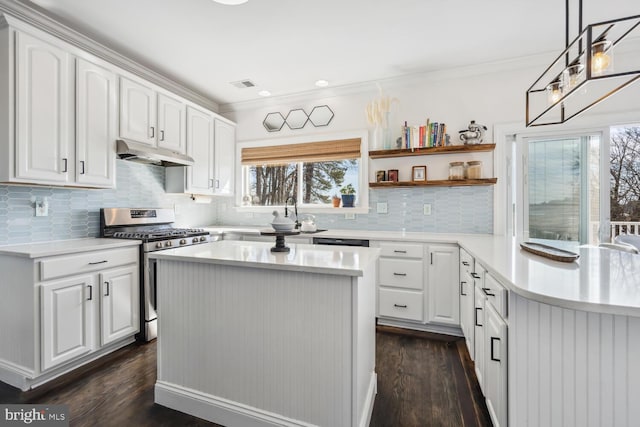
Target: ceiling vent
[242,84]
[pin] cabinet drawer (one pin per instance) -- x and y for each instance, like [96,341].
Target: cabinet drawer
[401,250]
[67,265]
[496,294]
[467,263]
[401,304]
[401,273]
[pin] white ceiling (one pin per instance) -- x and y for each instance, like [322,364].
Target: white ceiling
[284,46]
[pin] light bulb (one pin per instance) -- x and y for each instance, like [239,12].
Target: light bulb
[601,57]
[572,76]
[554,92]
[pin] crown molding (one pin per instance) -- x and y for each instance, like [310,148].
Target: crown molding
[31,14]
[371,87]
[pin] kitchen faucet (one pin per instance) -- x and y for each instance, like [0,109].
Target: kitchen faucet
[295,208]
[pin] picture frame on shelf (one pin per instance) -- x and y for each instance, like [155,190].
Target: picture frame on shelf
[381,176]
[419,173]
[392,175]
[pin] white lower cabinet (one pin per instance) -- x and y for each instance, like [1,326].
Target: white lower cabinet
[119,304]
[65,311]
[495,373]
[66,317]
[467,299]
[444,302]
[418,284]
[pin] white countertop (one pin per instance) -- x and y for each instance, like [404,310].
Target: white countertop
[601,280]
[346,261]
[61,247]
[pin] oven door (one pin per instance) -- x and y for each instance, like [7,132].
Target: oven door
[149,327]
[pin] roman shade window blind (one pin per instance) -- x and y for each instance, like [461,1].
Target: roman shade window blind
[342,149]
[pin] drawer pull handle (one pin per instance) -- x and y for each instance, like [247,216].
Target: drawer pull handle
[65,165]
[495,359]
[107,284]
[399,274]
[153,132]
[98,262]
[475,275]
[476,320]
[462,289]
[82,167]
[161,135]
[90,293]
[486,292]
[400,305]
[399,252]
[465,263]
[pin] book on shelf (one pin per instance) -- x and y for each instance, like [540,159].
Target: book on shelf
[431,134]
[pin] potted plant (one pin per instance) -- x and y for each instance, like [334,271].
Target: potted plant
[348,196]
[336,201]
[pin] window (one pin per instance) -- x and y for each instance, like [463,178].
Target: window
[625,180]
[309,173]
[560,188]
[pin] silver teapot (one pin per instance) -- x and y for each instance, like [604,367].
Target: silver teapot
[474,134]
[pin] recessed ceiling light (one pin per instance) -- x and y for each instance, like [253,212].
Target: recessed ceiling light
[230,2]
[264,93]
[322,83]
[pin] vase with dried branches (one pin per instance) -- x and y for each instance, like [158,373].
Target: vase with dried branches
[378,113]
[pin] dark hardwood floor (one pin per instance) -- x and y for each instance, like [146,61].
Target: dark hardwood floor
[423,380]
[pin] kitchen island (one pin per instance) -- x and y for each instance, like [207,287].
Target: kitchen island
[247,337]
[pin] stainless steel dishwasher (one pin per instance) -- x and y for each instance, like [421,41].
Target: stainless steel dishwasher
[340,242]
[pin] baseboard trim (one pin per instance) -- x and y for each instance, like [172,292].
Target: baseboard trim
[428,327]
[367,411]
[24,379]
[218,410]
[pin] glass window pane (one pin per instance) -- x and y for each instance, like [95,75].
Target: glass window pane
[272,185]
[322,180]
[554,189]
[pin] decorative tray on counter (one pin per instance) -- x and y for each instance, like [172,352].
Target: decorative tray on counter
[549,252]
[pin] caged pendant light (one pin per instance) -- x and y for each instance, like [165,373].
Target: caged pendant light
[584,74]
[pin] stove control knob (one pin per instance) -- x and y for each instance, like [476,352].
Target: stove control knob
[159,245]
[202,239]
[183,241]
[169,243]
[195,240]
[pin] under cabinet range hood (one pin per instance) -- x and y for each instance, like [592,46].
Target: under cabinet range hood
[142,153]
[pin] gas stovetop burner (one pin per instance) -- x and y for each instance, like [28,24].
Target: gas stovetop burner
[159,234]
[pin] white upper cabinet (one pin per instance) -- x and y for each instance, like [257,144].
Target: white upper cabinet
[96,125]
[224,157]
[171,124]
[44,112]
[137,112]
[200,147]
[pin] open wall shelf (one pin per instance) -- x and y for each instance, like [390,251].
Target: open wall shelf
[435,183]
[425,151]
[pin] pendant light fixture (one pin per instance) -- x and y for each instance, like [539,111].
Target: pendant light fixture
[583,74]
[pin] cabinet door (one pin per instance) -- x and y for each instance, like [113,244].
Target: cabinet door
[479,333]
[171,124]
[120,309]
[44,108]
[444,302]
[225,146]
[495,377]
[200,147]
[137,112]
[96,111]
[466,311]
[66,326]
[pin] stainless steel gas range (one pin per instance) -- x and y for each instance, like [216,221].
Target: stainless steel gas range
[154,227]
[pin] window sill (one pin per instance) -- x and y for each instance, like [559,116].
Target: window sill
[303,209]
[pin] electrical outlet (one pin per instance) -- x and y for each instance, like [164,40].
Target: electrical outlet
[42,207]
[382,207]
[426,209]
[349,216]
